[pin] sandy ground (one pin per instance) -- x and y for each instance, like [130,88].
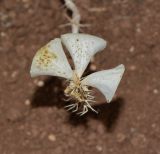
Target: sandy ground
[32,115]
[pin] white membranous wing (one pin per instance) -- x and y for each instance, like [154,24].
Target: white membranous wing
[82,47]
[51,60]
[106,81]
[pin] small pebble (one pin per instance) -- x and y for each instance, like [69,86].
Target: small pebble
[153,125]
[2,34]
[39,83]
[28,133]
[99,148]
[138,30]
[93,67]
[131,50]
[27,102]
[132,67]
[155,91]
[52,137]
[120,137]
[14,74]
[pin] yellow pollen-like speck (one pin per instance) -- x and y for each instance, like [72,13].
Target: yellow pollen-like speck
[44,58]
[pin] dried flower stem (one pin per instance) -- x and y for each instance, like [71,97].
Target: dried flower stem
[76,17]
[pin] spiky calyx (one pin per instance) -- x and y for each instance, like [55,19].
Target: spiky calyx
[80,94]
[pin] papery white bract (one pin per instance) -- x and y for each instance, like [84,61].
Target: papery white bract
[51,60]
[106,81]
[82,47]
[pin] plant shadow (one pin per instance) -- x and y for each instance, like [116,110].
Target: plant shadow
[51,94]
[108,114]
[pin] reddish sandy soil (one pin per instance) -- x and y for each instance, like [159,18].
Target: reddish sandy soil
[32,115]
